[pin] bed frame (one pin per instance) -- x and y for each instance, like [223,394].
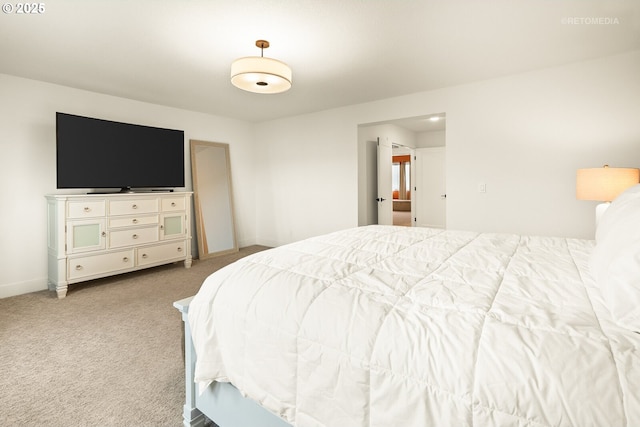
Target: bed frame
[221,403]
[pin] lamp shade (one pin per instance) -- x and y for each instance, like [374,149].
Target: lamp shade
[260,75]
[604,184]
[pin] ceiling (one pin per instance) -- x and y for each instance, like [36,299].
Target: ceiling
[179,52]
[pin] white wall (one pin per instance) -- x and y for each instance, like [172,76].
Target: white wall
[28,170]
[394,133]
[306,176]
[436,138]
[524,136]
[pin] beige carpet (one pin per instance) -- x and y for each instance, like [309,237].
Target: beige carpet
[109,354]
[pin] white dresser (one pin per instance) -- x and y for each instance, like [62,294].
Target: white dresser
[98,235]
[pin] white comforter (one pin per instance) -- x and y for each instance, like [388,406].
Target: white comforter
[393,326]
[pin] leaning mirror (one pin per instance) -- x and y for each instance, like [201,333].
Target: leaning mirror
[213,198]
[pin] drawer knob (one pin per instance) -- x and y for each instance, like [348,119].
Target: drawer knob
[179,249]
[134,207]
[173,204]
[135,236]
[134,220]
[87,209]
[78,267]
[145,256]
[125,259]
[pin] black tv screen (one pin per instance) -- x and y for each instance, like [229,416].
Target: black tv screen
[96,153]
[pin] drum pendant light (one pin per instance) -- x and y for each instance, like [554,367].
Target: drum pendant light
[259,74]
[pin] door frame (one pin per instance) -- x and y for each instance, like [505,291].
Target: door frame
[384,196]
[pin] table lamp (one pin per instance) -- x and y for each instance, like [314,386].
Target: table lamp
[604,185]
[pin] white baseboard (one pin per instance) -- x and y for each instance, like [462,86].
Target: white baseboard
[268,242]
[13,289]
[246,242]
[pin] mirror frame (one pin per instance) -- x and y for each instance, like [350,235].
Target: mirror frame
[200,221]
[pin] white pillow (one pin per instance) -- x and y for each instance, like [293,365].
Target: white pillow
[610,216]
[615,262]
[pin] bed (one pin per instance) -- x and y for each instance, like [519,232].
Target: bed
[400,326]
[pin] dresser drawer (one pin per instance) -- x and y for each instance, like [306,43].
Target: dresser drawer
[170,204]
[130,221]
[165,252]
[99,264]
[133,206]
[133,237]
[85,208]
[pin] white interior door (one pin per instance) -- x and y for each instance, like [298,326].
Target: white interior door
[430,187]
[385,195]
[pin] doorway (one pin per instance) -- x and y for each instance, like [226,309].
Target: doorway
[401,184]
[411,136]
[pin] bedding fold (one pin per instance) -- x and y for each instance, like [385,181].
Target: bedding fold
[382,325]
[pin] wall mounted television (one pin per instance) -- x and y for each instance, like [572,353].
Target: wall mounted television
[101,154]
